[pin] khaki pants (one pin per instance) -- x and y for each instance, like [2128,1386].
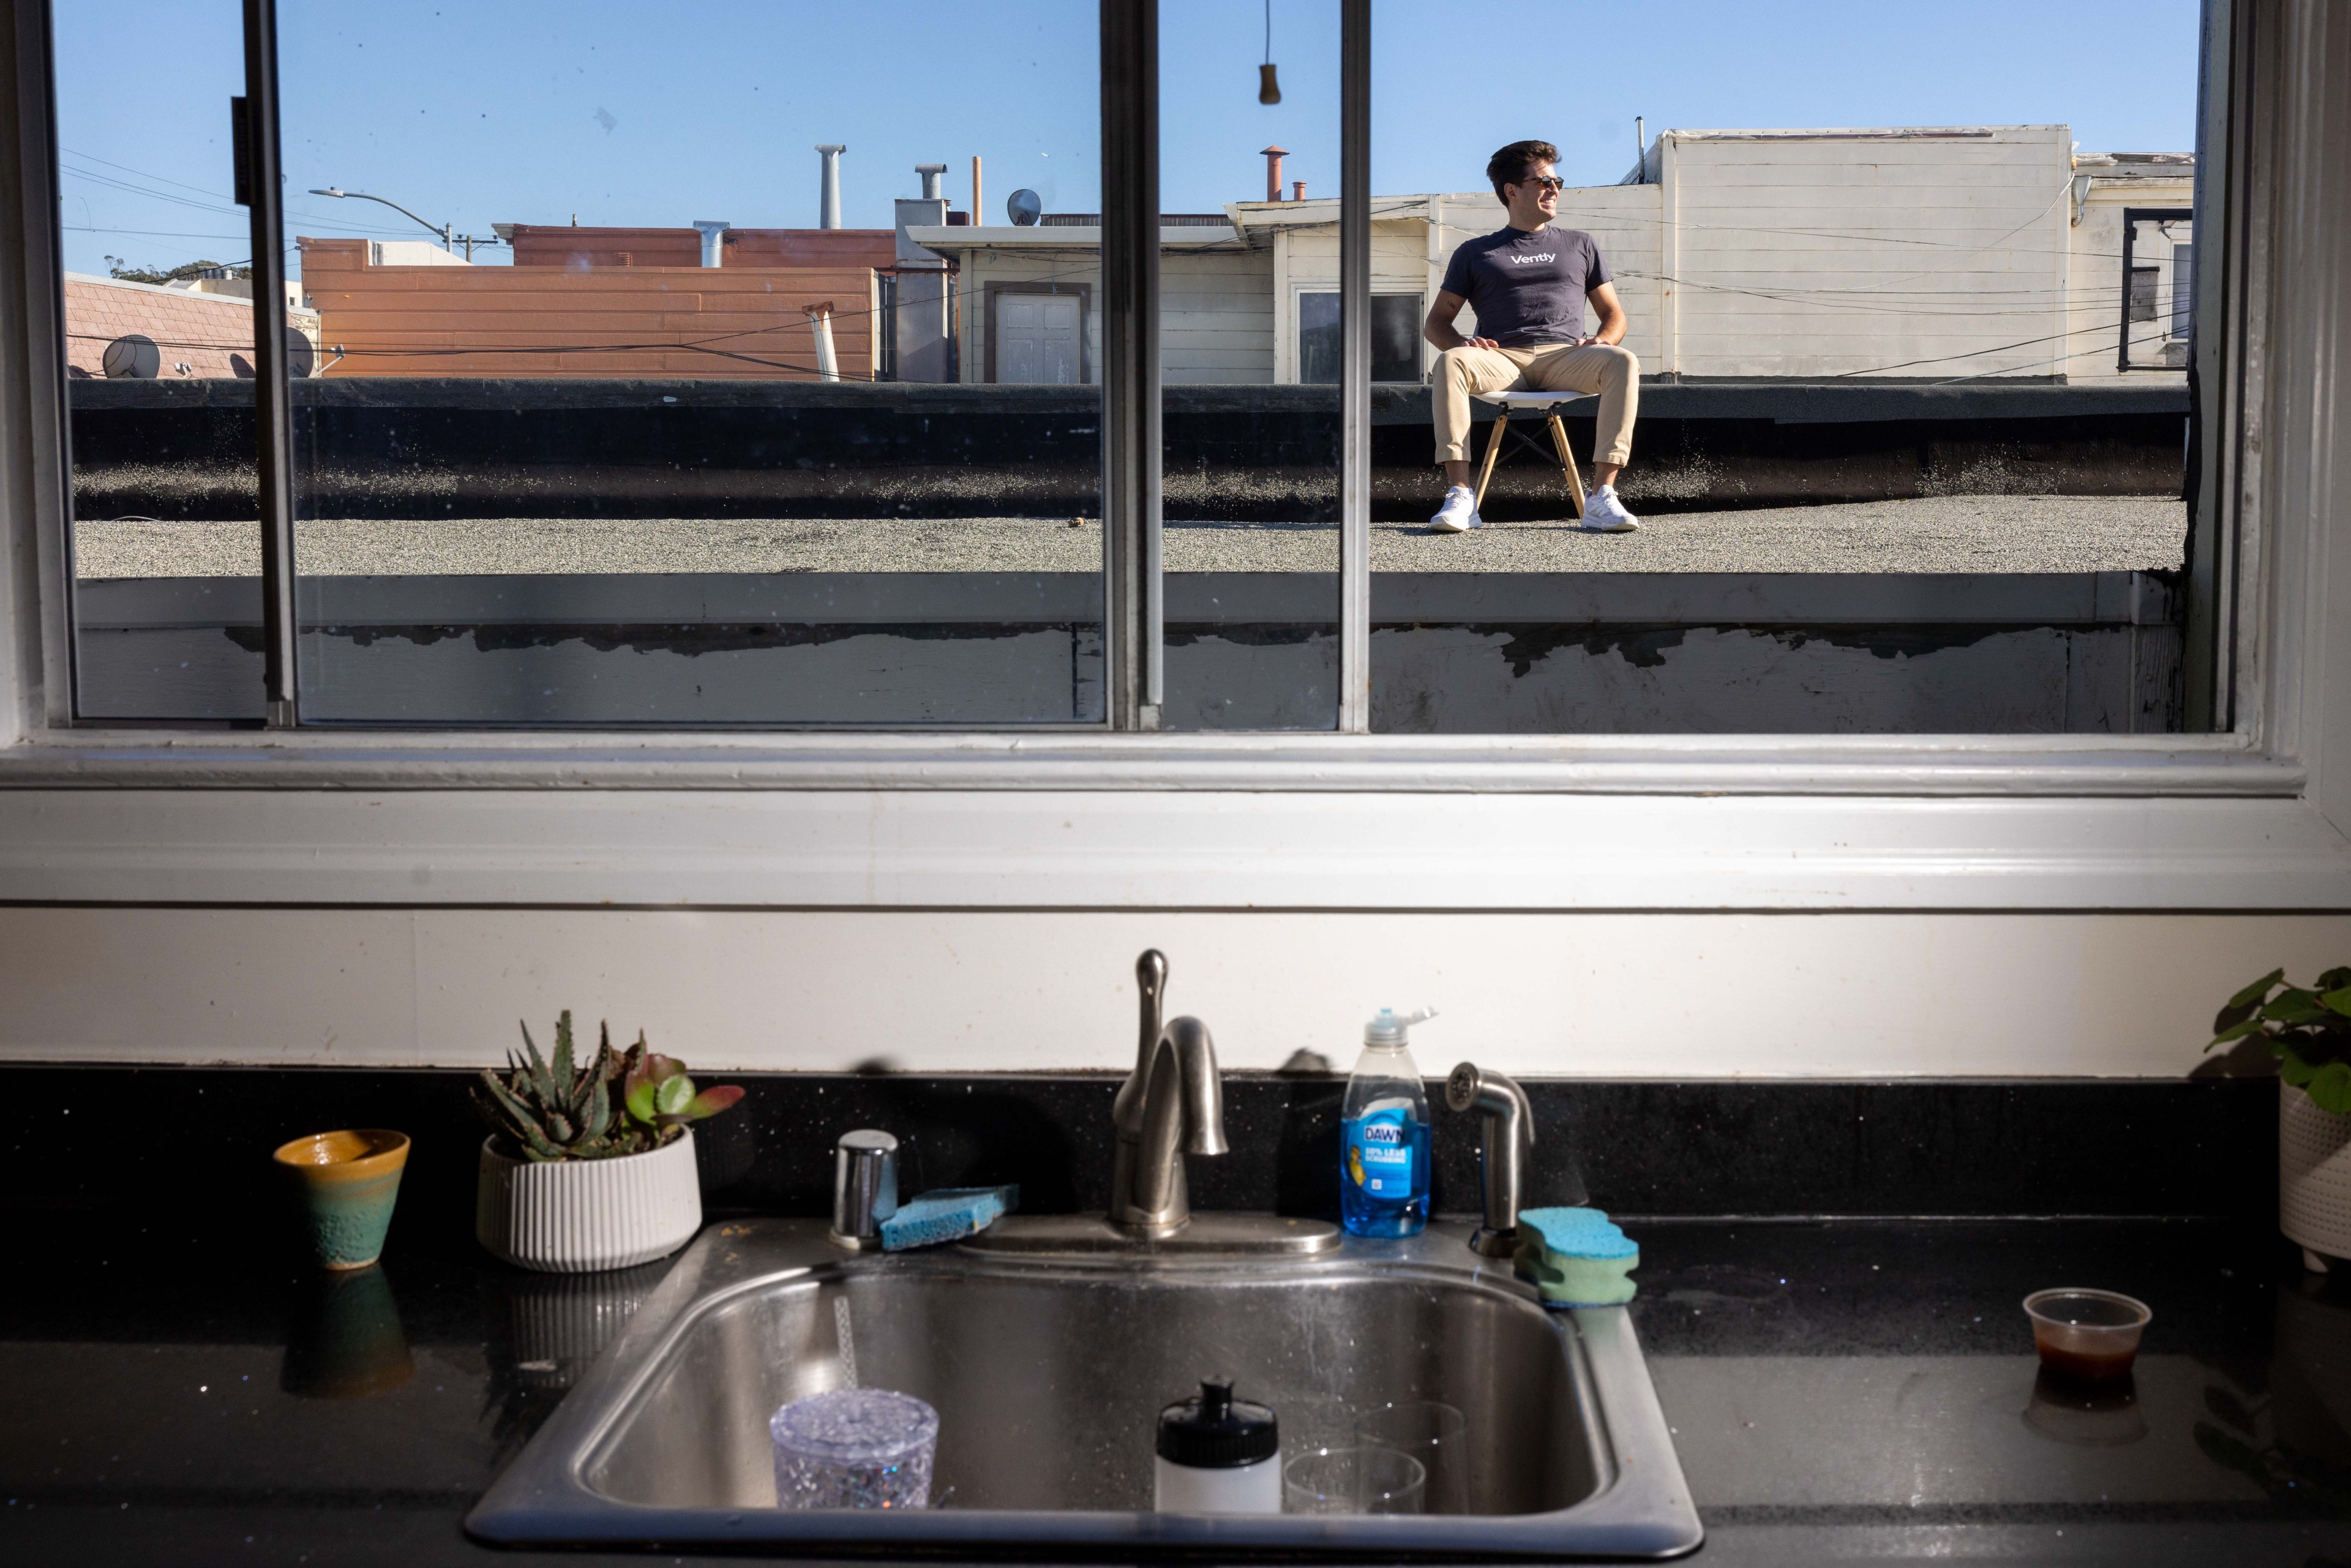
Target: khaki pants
[1612,372]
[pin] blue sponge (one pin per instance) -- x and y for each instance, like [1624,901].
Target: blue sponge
[1576,1256]
[947,1214]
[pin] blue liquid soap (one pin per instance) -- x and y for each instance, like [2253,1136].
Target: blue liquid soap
[1383,1135]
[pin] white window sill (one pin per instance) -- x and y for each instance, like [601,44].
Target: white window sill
[1141,823]
[2058,765]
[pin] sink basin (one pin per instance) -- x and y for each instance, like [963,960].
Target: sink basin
[1049,1369]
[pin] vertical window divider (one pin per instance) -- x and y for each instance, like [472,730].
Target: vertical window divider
[260,173]
[2216,386]
[1132,630]
[1355,367]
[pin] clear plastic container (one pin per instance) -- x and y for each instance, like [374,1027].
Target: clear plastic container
[2086,1336]
[1358,1479]
[854,1448]
[1384,1132]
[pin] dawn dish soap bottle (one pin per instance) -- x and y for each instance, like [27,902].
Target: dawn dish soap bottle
[1383,1162]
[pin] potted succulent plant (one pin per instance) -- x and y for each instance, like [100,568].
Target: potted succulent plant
[2309,1032]
[590,1168]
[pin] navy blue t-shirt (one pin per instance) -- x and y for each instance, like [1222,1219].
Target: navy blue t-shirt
[1528,288]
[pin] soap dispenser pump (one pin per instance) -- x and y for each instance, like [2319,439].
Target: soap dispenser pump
[1384,1130]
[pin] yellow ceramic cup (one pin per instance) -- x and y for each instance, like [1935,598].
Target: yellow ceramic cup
[347,1182]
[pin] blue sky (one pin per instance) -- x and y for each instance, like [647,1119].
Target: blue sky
[637,113]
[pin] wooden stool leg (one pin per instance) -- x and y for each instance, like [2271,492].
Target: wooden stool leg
[1493,451]
[1567,464]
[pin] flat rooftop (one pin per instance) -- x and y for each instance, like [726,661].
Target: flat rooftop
[1949,534]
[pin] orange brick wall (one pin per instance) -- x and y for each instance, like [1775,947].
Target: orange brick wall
[656,321]
[200,330]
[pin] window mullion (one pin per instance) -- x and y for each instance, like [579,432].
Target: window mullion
[1131,418]
[1355,367]
[264,198]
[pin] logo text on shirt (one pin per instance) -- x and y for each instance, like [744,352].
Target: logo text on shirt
[1529,260]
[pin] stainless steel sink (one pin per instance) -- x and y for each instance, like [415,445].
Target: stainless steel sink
[1048,1369]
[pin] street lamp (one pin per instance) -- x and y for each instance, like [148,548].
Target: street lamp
[443,230]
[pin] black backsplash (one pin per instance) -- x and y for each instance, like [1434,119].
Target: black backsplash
[160,1137]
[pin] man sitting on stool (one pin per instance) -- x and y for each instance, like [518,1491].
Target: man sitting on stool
[1528,283]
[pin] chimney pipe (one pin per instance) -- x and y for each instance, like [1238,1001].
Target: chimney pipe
[828,368]
[829,198]
[1298,190]
[932,174]
[713,235]
[1273,157]
[976,208]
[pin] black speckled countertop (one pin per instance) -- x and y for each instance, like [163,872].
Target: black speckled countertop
[1853,1391]
[178,1390]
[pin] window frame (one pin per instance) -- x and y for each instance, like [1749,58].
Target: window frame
[2245,817]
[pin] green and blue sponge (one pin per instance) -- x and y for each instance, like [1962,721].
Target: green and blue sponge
[950,1214]
[1576,1257]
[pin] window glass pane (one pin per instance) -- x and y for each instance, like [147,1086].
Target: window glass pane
[159,364]
[657,390]
[1248,326]
[1395,338]
[1905,404]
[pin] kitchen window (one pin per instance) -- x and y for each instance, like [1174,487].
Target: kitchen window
[2244,646]
[873,465]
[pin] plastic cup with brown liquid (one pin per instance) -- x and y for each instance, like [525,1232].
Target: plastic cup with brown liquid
[2086,1336]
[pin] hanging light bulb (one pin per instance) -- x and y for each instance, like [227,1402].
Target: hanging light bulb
[1269,90]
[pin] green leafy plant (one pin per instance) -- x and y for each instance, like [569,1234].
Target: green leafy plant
[622,1102]
[2309,1032]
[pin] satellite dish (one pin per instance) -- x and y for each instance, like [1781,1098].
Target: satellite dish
[1024,207]
[301,359]
[132,357]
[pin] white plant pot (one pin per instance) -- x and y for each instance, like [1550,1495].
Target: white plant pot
[573,1216]
[2314,1174]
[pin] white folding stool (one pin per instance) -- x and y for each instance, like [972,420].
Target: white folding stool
[1550,403]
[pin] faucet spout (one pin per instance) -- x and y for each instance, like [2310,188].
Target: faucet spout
[1172,1105]
[1204,1087]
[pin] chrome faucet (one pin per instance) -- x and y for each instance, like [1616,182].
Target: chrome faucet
[1506,1138]
[1171,1105]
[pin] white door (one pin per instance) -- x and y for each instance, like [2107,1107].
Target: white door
[1037,339]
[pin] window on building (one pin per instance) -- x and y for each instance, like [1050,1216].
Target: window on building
[1395,338]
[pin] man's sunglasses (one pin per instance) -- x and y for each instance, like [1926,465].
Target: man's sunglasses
[1544,181]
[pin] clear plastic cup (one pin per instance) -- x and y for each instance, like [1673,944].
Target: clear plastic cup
[2086,1336]
[854,1448]
[1358,1479]
[1432,1432]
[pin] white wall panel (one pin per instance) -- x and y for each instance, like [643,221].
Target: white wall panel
[1650,996]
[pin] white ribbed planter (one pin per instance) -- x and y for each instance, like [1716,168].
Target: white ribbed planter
[575,1216]
[2314,1174]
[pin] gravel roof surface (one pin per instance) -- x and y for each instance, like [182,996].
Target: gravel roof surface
[1943,534]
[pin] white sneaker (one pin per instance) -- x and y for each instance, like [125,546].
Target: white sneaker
[1604,514]
[1458,515]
